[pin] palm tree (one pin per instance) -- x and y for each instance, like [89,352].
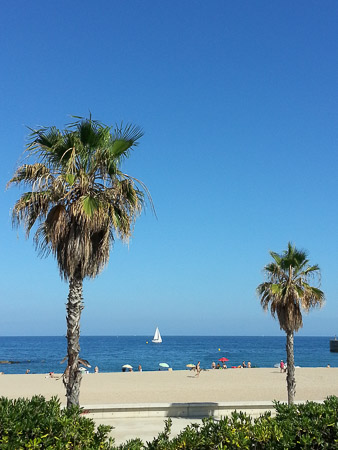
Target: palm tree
[287,293]
[80,201]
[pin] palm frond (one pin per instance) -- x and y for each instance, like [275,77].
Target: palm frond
[31,207]
[129,133]
[37,174]
[89,204]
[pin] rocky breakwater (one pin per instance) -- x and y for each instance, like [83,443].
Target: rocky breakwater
[9,362]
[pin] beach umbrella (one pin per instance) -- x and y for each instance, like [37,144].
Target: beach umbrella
[127,366]
[190,365]
[223,359]
[164,365]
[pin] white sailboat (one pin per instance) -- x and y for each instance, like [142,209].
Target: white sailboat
[157,337]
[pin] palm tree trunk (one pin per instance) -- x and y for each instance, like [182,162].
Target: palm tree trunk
[290,378]
[74,308]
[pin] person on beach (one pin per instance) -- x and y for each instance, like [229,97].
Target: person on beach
[249,365]
[139,368]
[213,365]
[198,368]
[96,370]
[243,365]
[282,366]
[218,366]
[224,366]
[27,371]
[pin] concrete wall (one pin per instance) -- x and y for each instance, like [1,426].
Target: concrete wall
[184,410]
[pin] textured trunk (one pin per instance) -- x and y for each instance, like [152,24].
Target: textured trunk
[74,308]
[290,377]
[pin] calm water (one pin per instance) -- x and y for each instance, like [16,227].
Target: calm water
[109,353]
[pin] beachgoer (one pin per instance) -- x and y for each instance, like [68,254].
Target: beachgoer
[27,371]
[328,366]
[213,365]
[249,365]
[218,366]
[139,368]
[123,369]
[130,369]
[198,368]
[243,365]
[224,366]
[96,370]
[282,366]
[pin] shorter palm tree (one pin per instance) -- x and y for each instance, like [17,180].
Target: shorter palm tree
[287,293]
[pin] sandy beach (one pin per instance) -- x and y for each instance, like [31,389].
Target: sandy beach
[180,386]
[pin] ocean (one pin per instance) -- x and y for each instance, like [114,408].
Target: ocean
[43,354]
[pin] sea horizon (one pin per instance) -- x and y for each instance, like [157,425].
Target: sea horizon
[170,335]
[42,354]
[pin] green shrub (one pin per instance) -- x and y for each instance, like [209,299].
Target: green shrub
[42,424]
[312,426]
[37,423]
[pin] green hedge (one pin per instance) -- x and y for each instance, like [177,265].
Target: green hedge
[37,423]
[42,424]
[308,426]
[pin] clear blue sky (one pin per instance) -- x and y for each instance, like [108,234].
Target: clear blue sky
[238,101]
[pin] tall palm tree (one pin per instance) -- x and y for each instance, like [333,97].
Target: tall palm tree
[287,293]
[80,201]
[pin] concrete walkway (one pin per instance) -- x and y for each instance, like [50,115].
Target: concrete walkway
[144,428]
[146,420]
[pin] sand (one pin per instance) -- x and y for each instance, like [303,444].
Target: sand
[180,386]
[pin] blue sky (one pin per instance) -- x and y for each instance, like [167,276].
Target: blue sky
[238,102]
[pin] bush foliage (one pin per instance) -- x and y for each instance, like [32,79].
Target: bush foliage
[42,424]
[37,423]
[310,426]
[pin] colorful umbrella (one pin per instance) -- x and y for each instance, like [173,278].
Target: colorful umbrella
[223,359]
[190,365]
[127,366]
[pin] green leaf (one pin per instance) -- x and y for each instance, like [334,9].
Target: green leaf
[120,146]
[70,178]
[275,288]
[90,205]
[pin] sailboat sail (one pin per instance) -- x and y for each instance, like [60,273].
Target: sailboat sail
[157,336]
